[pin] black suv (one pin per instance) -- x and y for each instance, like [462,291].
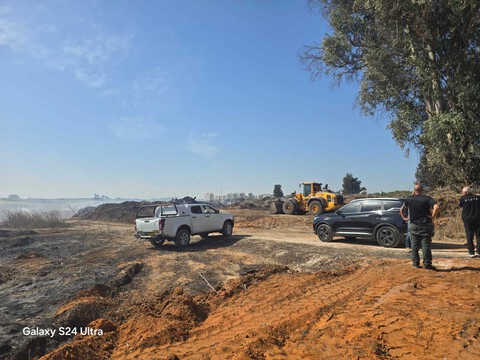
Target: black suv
[364,218]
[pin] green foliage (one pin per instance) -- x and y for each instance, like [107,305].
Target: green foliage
[277,191]
[351,185]
[417,60]
[391,194]
[452,143]
[425,176]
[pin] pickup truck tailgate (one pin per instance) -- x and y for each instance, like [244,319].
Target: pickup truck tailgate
[147,225]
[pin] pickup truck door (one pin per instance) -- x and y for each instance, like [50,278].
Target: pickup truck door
[198,219]
[213,220]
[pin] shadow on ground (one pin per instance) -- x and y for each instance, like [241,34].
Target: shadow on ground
[212,242]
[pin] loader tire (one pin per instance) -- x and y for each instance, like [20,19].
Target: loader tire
[315,207]
[289,207]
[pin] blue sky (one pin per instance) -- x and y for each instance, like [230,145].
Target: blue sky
[168,98]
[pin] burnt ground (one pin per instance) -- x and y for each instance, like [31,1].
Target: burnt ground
[97,270]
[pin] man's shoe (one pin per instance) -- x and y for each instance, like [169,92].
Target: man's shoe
[471,255]
[430,267]
[416,266]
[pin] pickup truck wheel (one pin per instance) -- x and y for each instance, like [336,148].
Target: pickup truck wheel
[227,229]
[157,241]
[182,238]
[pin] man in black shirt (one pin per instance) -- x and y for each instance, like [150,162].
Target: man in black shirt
[470,205]
[421,225]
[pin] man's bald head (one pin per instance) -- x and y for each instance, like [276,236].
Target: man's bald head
[417,190]
[466,190]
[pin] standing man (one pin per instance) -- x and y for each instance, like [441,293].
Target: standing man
[470,205]
[421,225]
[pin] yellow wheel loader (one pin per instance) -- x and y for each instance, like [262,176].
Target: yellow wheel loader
[312,199]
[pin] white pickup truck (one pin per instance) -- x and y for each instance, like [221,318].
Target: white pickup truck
[168,221]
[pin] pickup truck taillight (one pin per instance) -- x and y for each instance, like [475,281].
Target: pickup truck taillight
[161,224]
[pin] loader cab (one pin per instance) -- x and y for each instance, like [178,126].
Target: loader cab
[308,189]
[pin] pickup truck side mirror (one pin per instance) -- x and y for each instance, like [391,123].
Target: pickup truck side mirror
[217,211]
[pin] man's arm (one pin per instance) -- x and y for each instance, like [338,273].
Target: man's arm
[435,211]
[402,212]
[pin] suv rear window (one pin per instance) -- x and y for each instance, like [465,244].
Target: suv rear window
[371,205]
[389,205]
[352,207]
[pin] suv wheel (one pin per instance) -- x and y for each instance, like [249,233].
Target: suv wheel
[387,236]
[325,232]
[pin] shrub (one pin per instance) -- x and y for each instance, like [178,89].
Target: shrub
[21,219]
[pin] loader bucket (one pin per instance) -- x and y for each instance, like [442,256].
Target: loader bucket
[276,207]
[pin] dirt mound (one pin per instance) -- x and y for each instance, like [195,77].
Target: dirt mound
[449,224]
[358,312]
[262,220]
[261,204]
[123,212]
[163,319]
[447,201]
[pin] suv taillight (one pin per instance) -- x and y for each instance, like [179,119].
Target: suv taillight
[135,223]
[161,224]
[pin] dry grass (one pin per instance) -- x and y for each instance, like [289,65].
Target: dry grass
[20,219]
[450,228]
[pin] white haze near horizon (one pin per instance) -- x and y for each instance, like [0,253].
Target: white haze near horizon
[66,207]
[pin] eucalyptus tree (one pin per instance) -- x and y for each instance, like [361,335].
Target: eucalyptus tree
[417,61]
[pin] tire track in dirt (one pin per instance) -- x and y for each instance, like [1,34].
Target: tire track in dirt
[434,324]
[399,317]
[249,319]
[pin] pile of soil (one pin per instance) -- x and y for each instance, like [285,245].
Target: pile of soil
[261,204]
[449,224]
[263,220]
[123,212]
[356,312]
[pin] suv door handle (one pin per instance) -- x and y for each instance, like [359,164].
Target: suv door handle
[207,216]
[194,217]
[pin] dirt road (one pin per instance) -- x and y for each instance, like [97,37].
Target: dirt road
[279,294]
